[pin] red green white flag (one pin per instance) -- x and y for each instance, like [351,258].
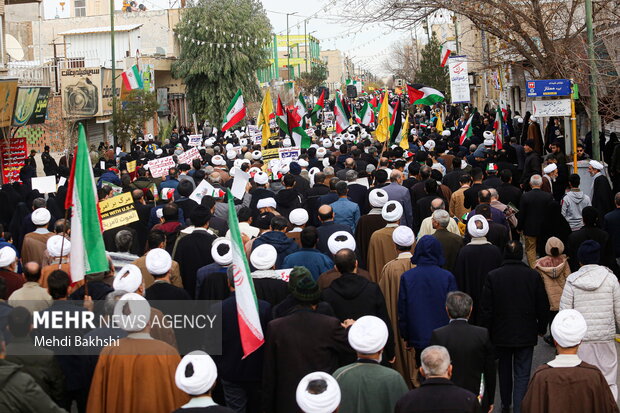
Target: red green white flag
[132,78]
[87,248]
[342,122]
[235,112]
[497,126]
[319,106]
[250,329]
[281,117]
[468,131]
[298,134]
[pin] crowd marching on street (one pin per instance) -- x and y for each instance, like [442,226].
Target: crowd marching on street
[392,254]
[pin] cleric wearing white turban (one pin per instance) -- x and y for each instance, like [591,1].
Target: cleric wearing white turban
[221,252]
[264,257]
[340,240]
[196,375]
[392,211]
[318,392]
[41,216]
[368,335]
[403,236]
[158,262]
[132,313]
[266,203]
[58,246]
[568,328]
[378,198]
[129,279]
[298,217]
[477,226]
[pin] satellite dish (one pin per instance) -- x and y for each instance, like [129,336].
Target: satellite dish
[13,48]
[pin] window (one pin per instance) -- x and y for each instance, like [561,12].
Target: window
[79,8]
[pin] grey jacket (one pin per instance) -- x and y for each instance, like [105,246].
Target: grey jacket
[572,205]
[20,393]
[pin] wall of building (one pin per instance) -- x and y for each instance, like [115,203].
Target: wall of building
[52,132]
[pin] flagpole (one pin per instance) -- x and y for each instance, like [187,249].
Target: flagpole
[113,58]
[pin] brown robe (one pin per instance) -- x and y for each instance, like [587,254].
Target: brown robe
[534,134]
[175,273]
[48,269]
[296,236]
[366,226]
[578,389]
[34,247]
[136,376]
[381,251]
[325,279]
[389,282]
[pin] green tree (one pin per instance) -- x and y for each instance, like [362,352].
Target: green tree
[139,107]
[309,81]
[430,73]
[223,43]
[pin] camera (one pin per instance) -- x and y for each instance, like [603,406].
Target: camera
[81,99]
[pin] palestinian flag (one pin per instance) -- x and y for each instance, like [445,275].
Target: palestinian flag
[468,130]
[87,248]
[423,95]
[298,134]
[319,106]
[497,126]
[250,329]
[404,142]
[445,54]
[342,121]
[132,78]
[302,109]
[365,115]
[396,126]
[281,117]
[235,112]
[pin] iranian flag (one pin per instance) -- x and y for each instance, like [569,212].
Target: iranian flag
[132,79]
[396,126]
[365,115]
[319,106]
[300,105]
[342,122]
[250,329]
[468,131]
[423,95]
[281,117]
[235,112]
[497,126]
[298,134]
[445,54]
[87,248]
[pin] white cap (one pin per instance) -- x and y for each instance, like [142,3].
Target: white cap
[7,256]
[266,203]
[568,328]
[221,251]
[261,178]
[158,151]
[321,152]
[596,165]
[340,240]
[303,163]
[58,246]
[430,145]
[41,216]
[128,278]
[550,168]
[533,118]
[477,226]
[231,154]
[203,373]
[286,143]
[488,141]
[133,311]
[519,119]
[256,155]
[378,198]
[264,257]
[298,216]
[217,160]
[403,236]
[368,335]
[327,143]
[325,402]
[158,261]
[446,133]
[392,211]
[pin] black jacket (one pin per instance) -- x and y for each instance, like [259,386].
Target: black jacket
[257,195]
[514,305]
[531,167]
[531,214]
[471,354]
[193,252]
[160,291]
[576,238]
[438,395]
[508,193]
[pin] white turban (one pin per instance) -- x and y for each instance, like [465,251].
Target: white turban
[264,257]
[594,164]
[378,198]
[222,252]
[488,135]
[7,256]
[340,240]
[286,143]
[477,226]
[158,261]
[237,163]
[321,152]
[243,142]
[231,154]
[217,160]
[325,402]
[446,133]
[533,119]
[41,216]
[298,216]
[392,211]
[368,335]
[519,119]
[325,162]
[261,178]
[203,373]
[303,163]
[128,278]
[488,141]
[403,236]
[430,145]
[327,143]
[266,203]
[158,151]
[568,328]
[550,168]
[284,169]
[229,146]
[256,155]
[56,248]
[133,312]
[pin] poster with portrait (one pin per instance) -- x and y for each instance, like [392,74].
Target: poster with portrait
[81,92]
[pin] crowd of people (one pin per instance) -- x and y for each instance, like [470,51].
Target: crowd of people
[419,275]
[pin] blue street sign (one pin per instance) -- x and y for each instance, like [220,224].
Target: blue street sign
[548,87]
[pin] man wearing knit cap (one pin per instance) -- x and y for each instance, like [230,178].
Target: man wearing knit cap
[137,371]
[300,343]
[196,375]
[593,291]
[158,264]
[211,283]
[389,282]
[380,250]
[35,243]
[602,196]
[8,268]
[567,384]
[318,392]
[369,223]
[366,385]
[268,283]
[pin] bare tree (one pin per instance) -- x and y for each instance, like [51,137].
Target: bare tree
[402,61]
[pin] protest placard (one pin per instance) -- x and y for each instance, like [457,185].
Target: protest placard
[44,184]
[131,166]
[194,140]
[159,167]
[116,190]
[188,156]
[270,154]
[204,189]
[292,153]
[117,211]
[239,183]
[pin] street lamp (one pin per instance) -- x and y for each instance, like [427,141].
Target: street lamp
[288,49]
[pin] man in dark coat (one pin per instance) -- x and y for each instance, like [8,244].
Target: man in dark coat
[278,239]
[194,250]
[532,164]
[437,393]
[531,216]
[353,296]
[470,348]
[611,225]
[298,344]
[508,193]
[602,196]
[327,228]
[451,243]
[261,179]
[514,309]
[312,201]
[288,198]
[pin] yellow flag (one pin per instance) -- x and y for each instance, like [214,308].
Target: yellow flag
[404,140]
[439,124]
[266,110]
[383,121]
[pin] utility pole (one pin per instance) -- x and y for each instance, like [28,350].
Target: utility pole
[306,43]
[456,34]
[113,71]
[288,49]
[596,145]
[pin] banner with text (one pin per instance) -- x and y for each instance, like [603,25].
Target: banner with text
[459,80]
[117,211]
[159,167]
